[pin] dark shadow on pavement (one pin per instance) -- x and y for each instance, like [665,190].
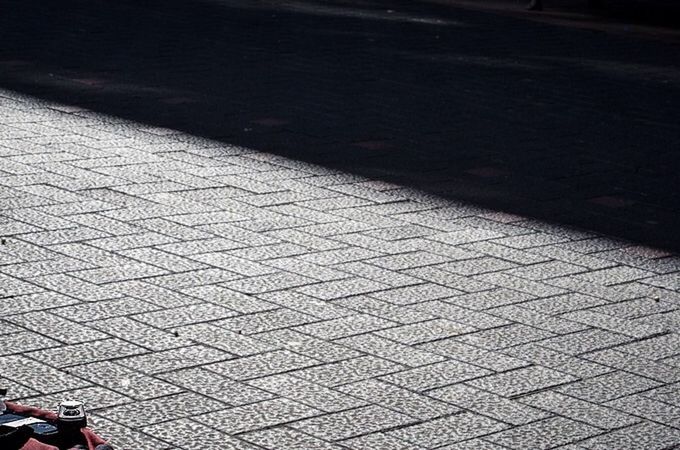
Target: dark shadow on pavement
[571,126]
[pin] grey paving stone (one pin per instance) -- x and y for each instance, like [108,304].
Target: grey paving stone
[604,417]
[124,380]
[415,294]
[161,409]
[488,404]
[614,275]
[422,332]
[87,352]
[184,315]
[307,345]
[345,326]
[16,391]
[228,341]
[655,348]
[389,277]
[35,302]
[24,341]
[187,433]
[462,283]
[487,359]
[564,303]
[256,416]
[131,271]
[393,351]
[535,354]
[105,309]
[306,304]
[307,269]
[418,406]
[635,364]
[469,320]
[13,286]
[153,294]
[669,394]
[608,387]
[218,387]
[476,266]
[558,325]
[123,436]
[522,381]
[262,365]
[139,333]
[649,409]
[174,359]
[650,309]
[436,375]
[382,309]
[480,301]
[509,254]
[545,270]
[329,251]
[503,337]
[195,278]
[348,371]
[228,298]
[330,290]
[56,327]
[622,326]
[268,283]
[473,444]
[260,322]
[355,422]
[94,398]
[284,438]
[408,260]
[38,376]
[307,393]
[645,435]
[57,265]
[584,341]
[535,288]
[189,248]
[544,434]
[448,430]
[378,441]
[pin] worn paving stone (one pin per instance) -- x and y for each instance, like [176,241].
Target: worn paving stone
[161,409]
[256,416]
[215,386]
[354,422]
[605,417]
[435,375]
[522,381]
[187,434]
[124,380]
[488,404]
[285,438]
[448,430]
[348,371]
[645,435]
[307,393]
[398,399]
[544,434]
[608,387]
[262,365]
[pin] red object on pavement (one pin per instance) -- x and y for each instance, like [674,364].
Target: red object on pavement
[90,437]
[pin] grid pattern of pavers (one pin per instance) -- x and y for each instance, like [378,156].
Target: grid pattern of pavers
[202,295]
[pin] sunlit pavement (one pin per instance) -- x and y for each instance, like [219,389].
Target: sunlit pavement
[215,261]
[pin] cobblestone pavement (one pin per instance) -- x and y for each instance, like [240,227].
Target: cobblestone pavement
[200,294]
